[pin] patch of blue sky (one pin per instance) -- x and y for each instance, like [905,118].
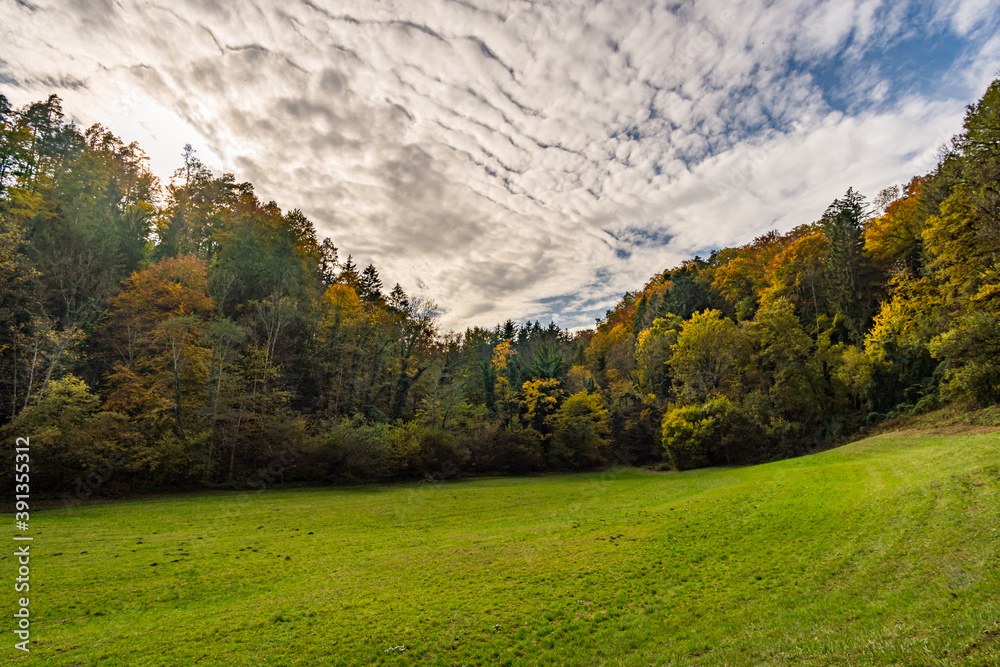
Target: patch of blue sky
[914,63]
[558,302]
[602,278]
[639,237]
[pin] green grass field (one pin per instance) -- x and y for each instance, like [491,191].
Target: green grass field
[885,551]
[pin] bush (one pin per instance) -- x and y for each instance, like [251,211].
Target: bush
[494,449]
[355,451]
[428,451]
[687,434]
[286,450]
[75,449]
[710,433]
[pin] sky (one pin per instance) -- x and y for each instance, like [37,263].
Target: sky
[515,159]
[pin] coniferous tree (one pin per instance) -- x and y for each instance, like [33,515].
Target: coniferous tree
[328,262]
[349,274]
[846,266]
[398,299]
[370,284]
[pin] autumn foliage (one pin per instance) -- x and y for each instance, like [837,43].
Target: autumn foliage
[190,335]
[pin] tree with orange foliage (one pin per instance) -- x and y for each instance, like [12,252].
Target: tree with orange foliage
[795,273]
[741,273]
[893,239]
[153,338]
[503,356]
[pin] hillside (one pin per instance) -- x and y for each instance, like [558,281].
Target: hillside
[158,337]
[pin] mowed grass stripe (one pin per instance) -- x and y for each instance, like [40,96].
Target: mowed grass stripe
[880,552]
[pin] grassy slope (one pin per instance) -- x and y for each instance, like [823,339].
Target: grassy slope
[884,551]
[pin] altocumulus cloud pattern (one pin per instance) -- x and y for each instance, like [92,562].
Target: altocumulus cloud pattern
[521,159]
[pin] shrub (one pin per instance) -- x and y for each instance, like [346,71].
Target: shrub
[71,441]
[494,449]
[687,433]
[428,451]
[356,451]
[710,433]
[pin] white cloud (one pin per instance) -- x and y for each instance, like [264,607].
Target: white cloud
[511,157]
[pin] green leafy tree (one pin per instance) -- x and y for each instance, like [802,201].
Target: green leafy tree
[413,336]
[783,365]
[979,147]
[970,355]
[580,433]
[705,356]
[539,402]
[653,353]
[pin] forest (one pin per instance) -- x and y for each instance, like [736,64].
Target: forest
[158,336]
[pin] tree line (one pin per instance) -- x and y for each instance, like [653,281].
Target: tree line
[188,335]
